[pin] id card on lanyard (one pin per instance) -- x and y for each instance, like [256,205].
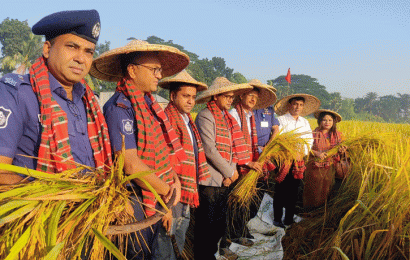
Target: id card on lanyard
[264,123]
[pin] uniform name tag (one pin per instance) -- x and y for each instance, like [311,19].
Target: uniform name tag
[264,124]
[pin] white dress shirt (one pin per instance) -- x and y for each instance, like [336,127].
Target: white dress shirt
[248,116]
[288,123]
[186,120]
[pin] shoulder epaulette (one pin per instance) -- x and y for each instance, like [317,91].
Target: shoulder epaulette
[123,102]
[15,80]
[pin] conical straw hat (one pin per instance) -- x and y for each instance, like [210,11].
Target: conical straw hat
[267,96]
[108,65]
[184,78]
[258,83]
[337,116]
[312,103]
[219,86]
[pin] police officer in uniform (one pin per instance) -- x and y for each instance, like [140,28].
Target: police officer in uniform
[267,126]
[54,79]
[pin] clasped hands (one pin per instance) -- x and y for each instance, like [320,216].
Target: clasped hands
[253,165]
[167,218]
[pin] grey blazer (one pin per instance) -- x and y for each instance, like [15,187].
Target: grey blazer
[219,167]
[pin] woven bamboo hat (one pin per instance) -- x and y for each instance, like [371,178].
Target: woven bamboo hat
[337,116]
[183,78]
[258,83]
[219,86]
[267,96]
[312,103]
[108,65]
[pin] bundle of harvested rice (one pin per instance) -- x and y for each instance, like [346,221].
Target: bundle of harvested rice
[369,216]
[64,216]
[284,148]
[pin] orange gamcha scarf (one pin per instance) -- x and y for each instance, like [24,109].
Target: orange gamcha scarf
[187,171]
[54,154]
[228,132]
[153,127]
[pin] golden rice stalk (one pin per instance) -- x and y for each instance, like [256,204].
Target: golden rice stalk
[284,148]
[63,216]
[361,142]
[368,218]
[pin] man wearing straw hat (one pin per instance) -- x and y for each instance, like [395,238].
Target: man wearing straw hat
[182,92]
[224,147]
[267,125]
[51,113]
[291,109]
[260,96]
[149,139]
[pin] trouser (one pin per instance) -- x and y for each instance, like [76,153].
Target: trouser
[139,244]
[285,196]
[163,248]
[210,221]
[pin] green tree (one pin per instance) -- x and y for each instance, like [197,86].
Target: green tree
[389,108]
[204,70]
[238,78]
[21,61]
[301,84]
[12,33]
[157,40]
[347,109]
[371,102]
[404,106]
[20,47]
[100,48]
[97,84]
[335,101]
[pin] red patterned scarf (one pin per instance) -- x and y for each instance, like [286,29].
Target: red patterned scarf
[158,145]
[228,132]
[324,143]
[297,171]
[251,139]
[54,152]
[187,171]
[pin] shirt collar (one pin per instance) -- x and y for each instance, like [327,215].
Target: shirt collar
[290,117]
[185,117]
[248,114]
[55,86]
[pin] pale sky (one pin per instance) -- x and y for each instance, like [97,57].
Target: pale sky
[352,47]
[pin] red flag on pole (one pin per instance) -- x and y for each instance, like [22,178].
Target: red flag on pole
[287,78]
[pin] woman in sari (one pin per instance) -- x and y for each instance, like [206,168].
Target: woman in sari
[320,172]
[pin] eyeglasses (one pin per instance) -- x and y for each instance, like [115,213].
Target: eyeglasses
[229,97]
[156,71]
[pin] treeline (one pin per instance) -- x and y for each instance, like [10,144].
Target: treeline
[20,48]
[371,107]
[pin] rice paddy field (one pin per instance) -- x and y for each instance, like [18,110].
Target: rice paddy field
[369,217]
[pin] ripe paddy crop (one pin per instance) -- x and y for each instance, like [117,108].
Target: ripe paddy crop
[67,215]
[369,217]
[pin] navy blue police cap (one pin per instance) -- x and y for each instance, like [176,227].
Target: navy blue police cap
[83,23]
